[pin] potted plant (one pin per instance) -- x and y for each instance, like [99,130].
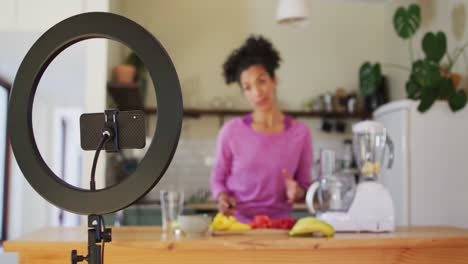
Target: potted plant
[372,86]
[124,73]
[429,80]
[140,70]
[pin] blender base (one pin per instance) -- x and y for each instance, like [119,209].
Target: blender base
[371,211]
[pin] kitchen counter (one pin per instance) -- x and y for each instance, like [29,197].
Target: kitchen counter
[147,245]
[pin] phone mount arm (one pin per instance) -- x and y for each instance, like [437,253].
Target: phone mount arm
[111,127]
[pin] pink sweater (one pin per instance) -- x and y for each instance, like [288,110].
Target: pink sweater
[248,166]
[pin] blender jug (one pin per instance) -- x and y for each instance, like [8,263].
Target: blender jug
[370,140]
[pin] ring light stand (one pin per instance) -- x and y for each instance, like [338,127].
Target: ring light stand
[168,126]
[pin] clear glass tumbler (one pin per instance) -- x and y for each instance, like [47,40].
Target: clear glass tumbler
[172,205]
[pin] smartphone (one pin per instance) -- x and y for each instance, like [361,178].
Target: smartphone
[131,130]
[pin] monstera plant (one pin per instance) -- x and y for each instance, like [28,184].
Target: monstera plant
[428,81]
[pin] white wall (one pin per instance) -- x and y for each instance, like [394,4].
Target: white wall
[320,57]
[26,209]
[115,49]
[448,16]
[324,55]
[76,78]
[29,15]
[199,35]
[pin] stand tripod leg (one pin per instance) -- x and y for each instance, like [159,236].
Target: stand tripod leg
[96,235]
[94,250]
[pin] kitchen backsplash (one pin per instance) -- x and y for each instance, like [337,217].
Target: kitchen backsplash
[190,169]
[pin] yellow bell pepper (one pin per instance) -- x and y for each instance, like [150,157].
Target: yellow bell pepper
[224,223]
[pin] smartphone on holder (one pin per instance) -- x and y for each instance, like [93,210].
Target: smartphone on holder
[131,130]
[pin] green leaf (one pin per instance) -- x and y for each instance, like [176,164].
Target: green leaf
[457,100]
[434,46]
[413,89]
[427,99]
[446,88]
[407,21]
[134,60]
[426,73]
[377,74]
[370,77]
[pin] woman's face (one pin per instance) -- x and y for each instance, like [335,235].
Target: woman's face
[258,87]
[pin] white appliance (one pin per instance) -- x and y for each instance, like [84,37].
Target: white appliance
[371,207]
[429,178]
[371,210]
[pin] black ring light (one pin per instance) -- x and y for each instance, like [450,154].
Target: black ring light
[169,120]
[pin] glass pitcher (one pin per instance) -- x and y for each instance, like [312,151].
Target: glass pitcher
[370,141]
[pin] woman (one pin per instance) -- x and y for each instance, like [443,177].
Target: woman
[263,159]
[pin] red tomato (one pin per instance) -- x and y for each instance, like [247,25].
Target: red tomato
[263,221]
[283,223]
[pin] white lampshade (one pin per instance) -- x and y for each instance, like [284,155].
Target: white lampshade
[294,12]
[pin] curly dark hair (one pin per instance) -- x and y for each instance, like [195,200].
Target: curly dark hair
[254,51]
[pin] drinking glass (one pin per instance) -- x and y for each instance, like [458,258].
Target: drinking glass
[172,205]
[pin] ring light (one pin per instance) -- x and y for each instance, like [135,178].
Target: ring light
[168,126]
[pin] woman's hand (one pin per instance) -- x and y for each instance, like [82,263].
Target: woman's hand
[294,192]
[226,203]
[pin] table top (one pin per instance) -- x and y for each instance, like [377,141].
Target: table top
[153,237]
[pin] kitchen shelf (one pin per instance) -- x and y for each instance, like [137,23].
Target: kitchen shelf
[212,206]
[127,96]
[197,112]
[206,206]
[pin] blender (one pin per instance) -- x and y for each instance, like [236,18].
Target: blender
[368,207]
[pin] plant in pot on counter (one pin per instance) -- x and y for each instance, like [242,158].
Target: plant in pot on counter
[372,86]
[140,70]
[429,79]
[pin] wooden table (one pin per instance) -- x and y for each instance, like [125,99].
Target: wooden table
[147,245]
